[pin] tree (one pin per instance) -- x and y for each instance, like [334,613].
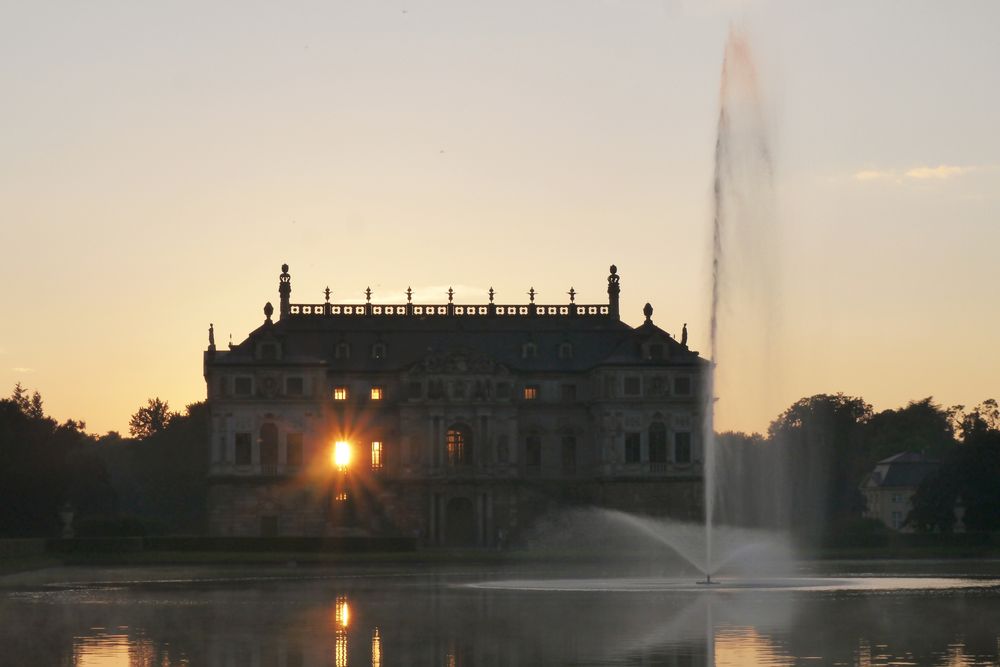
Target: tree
[820,445]
[150,419]
[923,427]
[30,406]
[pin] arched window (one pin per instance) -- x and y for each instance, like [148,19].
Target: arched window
[268,444]
[459,445]
[657,442]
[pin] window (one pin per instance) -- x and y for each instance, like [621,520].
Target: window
[531,392]
[294,386]
[244,449]
[342,351]
[458,390]
[340,393]
[682,386]
[378,351]
[657,442]
[415,390]
[268,444]
[293,451]
[656,351]
[503,449]
[503,390]
[376,455]
[222,386]
[459,445]
[376,393]
[243,386]
[897,497]
[897,520]
[568,392]
[632,386]
[565,350]
[682,447]
[632,447]
[529,351]
[533,451]
[569,453]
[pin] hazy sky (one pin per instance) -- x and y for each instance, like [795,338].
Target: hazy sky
[159,161]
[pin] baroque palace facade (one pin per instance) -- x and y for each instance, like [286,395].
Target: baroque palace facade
[456,424]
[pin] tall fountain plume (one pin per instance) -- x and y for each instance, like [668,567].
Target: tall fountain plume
[743,230]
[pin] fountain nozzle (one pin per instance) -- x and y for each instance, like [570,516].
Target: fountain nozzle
[708,580]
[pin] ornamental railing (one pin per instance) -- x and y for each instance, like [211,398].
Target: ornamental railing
[451,309]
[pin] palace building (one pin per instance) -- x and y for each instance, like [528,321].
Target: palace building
[455,424]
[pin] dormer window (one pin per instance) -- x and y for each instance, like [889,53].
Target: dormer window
[378,351]
[342,351]
[529,351]
[565,350]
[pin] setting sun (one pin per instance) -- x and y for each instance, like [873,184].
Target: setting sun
[341,453]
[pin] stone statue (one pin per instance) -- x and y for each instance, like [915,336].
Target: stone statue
[211,336]
[684,335]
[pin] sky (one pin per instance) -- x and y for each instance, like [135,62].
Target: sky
[160,161]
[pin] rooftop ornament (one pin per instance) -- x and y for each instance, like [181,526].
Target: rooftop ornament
[572,295]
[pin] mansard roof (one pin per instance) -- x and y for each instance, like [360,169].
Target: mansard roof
[411,333]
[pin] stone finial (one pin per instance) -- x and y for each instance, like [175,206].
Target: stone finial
[268,311]
[572,295]
[451,294]
[368,294]
[647,310]
[491,294]
[409,295]
[326,293]
[531,294]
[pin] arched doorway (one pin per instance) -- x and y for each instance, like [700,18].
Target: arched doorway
[460,523]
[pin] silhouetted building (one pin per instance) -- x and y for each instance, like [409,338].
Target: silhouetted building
[462,422]
[890,487]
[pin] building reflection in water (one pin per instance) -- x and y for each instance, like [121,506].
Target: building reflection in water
[376,649]
[465,629]
[342,618]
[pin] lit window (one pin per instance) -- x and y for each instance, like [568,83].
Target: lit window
[459,446]
[376,393]
[342,496]
[341,454]
[531,392]
[376,455]
[340,393]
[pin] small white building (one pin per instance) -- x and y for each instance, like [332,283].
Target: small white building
[890,487]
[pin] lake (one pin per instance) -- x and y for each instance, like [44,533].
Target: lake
[833,613]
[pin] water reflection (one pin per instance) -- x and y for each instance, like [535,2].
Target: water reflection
[426,620]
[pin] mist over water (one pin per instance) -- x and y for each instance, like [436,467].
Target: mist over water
[744,260]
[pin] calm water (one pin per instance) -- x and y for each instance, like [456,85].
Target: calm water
[411,615]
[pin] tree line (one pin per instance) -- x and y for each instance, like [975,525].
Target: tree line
[805,474]
[153,480]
